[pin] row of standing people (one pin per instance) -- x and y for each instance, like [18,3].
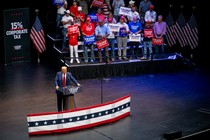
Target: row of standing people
[107,6]
[102,31]
[134,28]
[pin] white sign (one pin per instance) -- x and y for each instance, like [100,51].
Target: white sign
[114,27]
[134,37]
[125,11]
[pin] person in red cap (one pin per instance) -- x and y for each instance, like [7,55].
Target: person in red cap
[88,29]
[150,15]
[143,8]
[122,38]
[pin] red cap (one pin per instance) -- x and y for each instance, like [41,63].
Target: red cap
[122,17]
[151,7]
[88,19]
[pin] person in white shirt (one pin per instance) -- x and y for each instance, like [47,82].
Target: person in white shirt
[61,8]
[122,38]
[66,20]
[150,15]
[133,13]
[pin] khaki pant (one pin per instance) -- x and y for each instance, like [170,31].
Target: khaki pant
[122,42]
[106,54]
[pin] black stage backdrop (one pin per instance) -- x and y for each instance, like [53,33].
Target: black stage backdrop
[47,15]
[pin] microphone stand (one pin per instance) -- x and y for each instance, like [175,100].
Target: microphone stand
[101,78]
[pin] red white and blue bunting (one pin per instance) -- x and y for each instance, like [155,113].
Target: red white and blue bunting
[71,120]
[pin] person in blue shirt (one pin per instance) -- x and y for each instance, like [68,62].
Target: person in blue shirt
[102,32]
[135,28]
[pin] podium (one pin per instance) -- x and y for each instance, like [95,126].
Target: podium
[68,96]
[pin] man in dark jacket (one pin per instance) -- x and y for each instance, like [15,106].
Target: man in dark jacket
[63,78]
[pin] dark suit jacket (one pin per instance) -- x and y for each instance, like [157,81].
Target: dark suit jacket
[69,78]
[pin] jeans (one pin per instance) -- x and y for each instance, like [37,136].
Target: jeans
[159,49]
[147,44]
[134,51]
[85,47]
[58,22]
[112,46]
[65,30]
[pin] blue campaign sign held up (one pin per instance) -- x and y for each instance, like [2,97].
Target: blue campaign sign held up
[89,40]
[93,17]
[60,2]
[122,33]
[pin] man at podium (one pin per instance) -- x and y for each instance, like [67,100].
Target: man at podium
[63,79]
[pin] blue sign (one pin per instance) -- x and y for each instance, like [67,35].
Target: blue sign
[89,39]
[59,2]
[93,18]
[122,33]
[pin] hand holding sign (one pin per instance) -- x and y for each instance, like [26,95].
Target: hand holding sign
[124,11]
[58,2]
[134,37]
[157,41]
[102,43]
[73,29]
[89,39]
[148,33]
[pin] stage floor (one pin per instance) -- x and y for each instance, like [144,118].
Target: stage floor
[160,103]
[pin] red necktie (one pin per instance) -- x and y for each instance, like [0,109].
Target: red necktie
[64,80]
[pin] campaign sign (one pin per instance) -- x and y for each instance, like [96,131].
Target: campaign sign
[148,33]
[73,29]
[157,41]
[134,37]
[93,18]
[97,3]
[89,39]
[59,2]
[125,11]
[122,32]
[102,43]
[114,27]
